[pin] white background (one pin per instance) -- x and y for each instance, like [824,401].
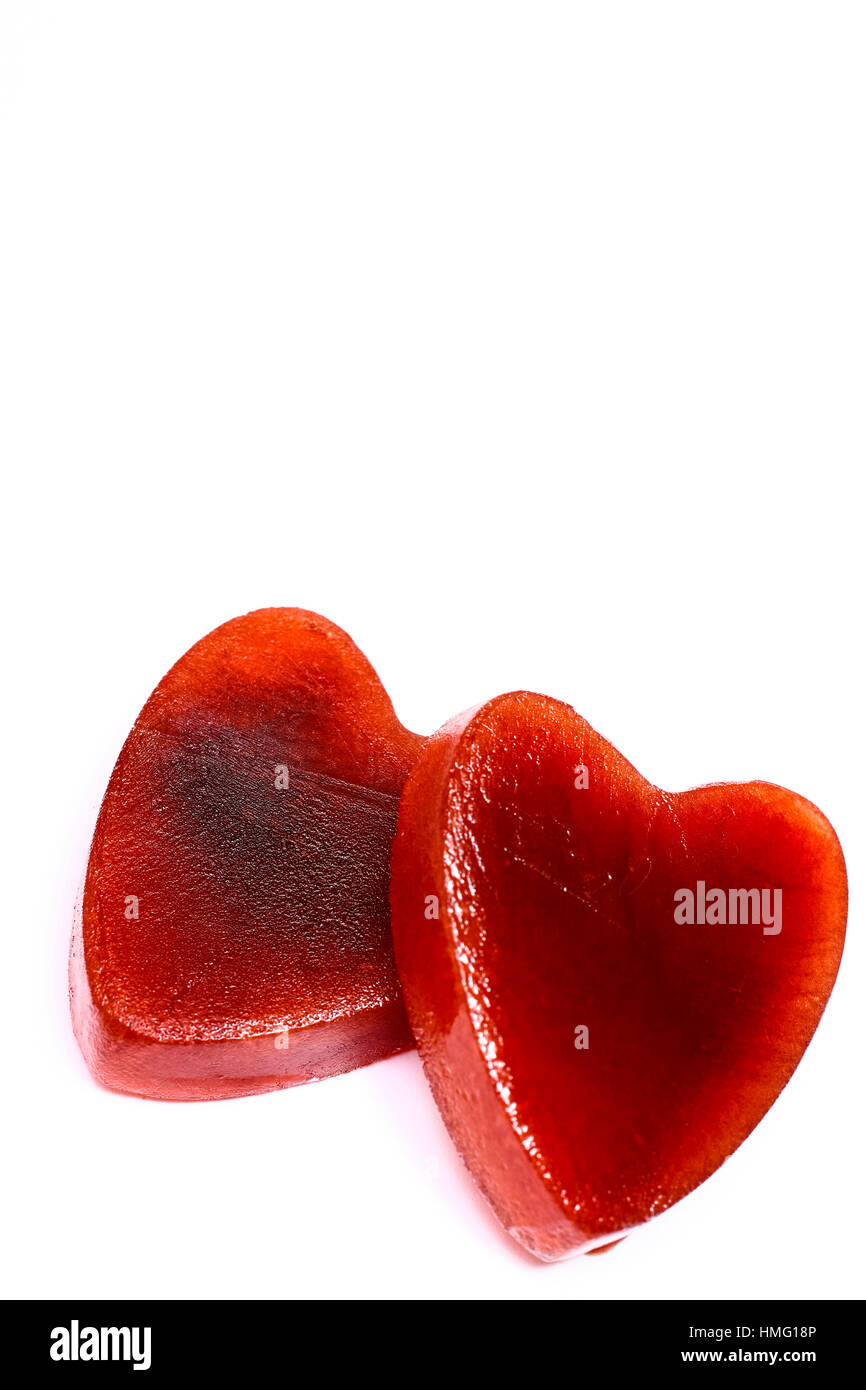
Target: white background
[524,341]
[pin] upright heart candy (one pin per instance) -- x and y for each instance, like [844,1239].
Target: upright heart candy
[234,931]
[609,984]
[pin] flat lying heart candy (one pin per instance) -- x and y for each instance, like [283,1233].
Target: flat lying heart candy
[609,984]
[234,932]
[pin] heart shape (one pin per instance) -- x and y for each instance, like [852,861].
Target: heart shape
[234,933]
[594,1053]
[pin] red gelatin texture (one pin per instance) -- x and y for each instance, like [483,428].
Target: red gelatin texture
[234,934]
[556,871]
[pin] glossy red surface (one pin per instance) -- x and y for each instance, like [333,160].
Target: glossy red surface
[555,912]
[261,954]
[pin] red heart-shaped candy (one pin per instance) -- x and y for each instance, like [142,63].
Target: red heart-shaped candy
[234,931]
[597,1038]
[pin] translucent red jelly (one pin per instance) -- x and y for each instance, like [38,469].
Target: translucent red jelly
[234,931]
[595,1058]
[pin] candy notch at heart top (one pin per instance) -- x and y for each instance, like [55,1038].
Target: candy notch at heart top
[595,1053]
[234,931]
